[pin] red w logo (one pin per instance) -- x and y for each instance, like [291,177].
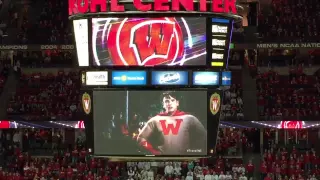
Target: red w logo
[145,41]
[166,128]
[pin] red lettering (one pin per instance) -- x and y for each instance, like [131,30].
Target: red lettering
[153,39]
[187,4]
[83,6]
[71,6]
[230,5]
[141,6]
[166,128]
[203,5]
[94,3]
[217,6]
[159,5]
[115,7]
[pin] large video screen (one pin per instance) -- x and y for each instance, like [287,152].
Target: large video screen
[142,123]
[149,41]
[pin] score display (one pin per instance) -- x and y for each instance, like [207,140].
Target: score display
[221,32]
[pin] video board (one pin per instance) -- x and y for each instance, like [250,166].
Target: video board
[150,122]
[172,41]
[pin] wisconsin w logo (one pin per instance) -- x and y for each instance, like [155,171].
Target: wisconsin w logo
[86,103]
[166,128]
[215,102]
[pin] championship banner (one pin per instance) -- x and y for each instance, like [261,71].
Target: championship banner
[300,45]
[36,47]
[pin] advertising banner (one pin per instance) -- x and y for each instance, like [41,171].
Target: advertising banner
[226,78]
[96,78]
[127,78]
[170,78]
[204,78]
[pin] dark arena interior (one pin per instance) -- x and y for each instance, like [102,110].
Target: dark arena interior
[159,90]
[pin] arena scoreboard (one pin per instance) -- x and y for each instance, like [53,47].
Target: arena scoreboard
[175,42]
[150,87]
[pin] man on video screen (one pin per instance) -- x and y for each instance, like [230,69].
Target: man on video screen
[173,132]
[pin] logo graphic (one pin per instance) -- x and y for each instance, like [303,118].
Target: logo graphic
[226,78]
[145,41]
[166,128]
[169,78]
[86,103]
[215,102]
[80,125]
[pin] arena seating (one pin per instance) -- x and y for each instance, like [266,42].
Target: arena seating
[77,163]
[232,102]
[291,159]
[46,59]
[51,96]
[4,72]
[290,20]
[50,23]
[290,97]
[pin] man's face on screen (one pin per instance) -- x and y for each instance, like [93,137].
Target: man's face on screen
[170,104]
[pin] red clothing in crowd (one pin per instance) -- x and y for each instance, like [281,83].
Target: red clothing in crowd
[263,168]
[250,168]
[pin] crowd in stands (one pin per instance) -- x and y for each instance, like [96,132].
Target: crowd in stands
[290,20]
[47,96]
[232,106]
[45,58]
[51,26]
[291,161]
[295,96]
[4,72]
[75,161]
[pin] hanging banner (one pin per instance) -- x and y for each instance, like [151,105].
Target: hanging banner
[37,47]
[306,45]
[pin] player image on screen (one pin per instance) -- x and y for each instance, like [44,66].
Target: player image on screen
[137,41]
[157,122]
[174,128]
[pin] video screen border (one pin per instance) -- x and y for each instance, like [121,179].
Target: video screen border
[213,121]
[158,67]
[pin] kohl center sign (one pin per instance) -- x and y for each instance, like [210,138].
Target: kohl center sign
[91,7]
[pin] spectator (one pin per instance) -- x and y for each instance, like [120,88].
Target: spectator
[169,170]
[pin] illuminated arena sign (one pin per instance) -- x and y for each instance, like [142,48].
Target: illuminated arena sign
[90,6]
[291,124]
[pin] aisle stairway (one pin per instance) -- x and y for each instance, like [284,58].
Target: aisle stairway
[250,108]
[9,88]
